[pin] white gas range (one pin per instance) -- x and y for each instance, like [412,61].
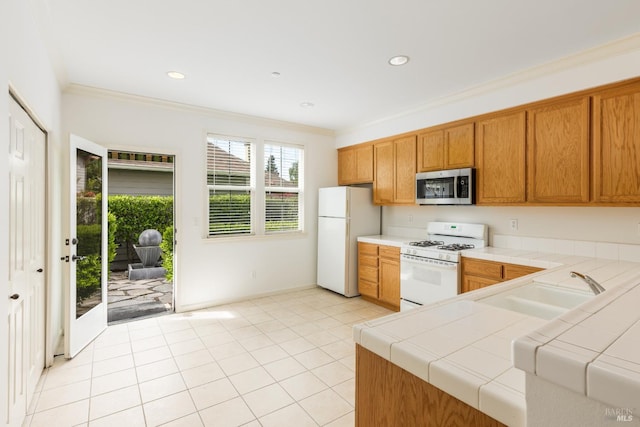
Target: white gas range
[429,269]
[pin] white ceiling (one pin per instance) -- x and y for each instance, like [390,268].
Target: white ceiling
[332,53]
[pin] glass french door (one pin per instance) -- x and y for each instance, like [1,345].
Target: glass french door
[87,242]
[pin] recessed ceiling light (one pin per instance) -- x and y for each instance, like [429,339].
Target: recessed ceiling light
[175,75]
[275,74]
[307,104]
[398,60]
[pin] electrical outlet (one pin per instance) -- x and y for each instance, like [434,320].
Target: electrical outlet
[253,274]
[410,219]
[513,224]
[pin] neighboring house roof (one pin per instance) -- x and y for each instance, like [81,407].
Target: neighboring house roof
[140,165]
[222,162]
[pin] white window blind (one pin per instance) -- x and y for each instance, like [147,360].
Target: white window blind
[283,173]
[231,184]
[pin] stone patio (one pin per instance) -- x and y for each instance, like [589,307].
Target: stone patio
[130,299]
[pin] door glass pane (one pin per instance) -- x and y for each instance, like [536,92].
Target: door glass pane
[88,232]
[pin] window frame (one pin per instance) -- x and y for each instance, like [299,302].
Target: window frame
[299,189]
[258,190]
[251,188]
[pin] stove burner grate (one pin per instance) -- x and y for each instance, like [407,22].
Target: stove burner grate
[426,243]
[456,247]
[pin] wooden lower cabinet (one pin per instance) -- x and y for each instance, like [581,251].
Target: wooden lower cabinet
[379,274]
[387,395]
[477,273]
[389,275]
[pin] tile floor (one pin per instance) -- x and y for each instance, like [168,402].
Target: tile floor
[285,360]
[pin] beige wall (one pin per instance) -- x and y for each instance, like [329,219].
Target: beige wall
[211,271]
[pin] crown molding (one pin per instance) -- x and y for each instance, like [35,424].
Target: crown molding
[598,53]
[82,90]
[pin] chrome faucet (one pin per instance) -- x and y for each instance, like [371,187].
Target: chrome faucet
[595,286]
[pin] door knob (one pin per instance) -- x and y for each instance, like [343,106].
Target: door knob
[14,296]
[77,258]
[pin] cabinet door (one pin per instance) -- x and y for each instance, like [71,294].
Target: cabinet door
[500,159]
[513,271]
[431,151]
[616,145]
[558,152]
[405,170]
[459,146]
[471,283]
[389,276]
[384,173]
[346,166]
[364,164]
[482,268]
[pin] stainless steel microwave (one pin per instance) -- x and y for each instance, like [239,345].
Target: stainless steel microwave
[447,187]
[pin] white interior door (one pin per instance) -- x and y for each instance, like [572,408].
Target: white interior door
[88,258]
[26,287]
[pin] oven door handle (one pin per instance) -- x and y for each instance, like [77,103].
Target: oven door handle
[440,266]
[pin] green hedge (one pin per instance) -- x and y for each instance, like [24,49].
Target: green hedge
[167,252]
[238,207]
[138,213]
[89,269]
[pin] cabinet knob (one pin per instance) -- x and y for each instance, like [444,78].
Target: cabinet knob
[14,296]
[40,270]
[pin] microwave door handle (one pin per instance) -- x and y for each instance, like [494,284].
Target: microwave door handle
[456,183]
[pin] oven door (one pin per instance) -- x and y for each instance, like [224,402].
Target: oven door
[425,281]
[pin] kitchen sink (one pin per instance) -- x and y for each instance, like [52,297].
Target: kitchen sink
[539,300]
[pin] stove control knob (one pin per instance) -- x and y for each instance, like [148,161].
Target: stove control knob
[441,256]
[448,257]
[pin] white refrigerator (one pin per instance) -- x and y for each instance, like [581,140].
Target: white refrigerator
[344,213]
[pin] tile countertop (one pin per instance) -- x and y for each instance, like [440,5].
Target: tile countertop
[385,239]
[464,347]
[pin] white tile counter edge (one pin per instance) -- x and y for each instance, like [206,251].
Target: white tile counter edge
[386,240]
[554,350]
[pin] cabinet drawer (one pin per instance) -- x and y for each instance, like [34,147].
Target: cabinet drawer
[367,260]
[471,283]
[482,268]
[513,271]
[367,249]
[368,288]
[368,273]
[390,252]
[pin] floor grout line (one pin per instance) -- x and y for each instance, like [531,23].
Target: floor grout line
[328,322]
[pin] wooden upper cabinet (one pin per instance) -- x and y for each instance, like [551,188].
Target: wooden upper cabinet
[384,172]
[431,151]
[459,146]
[500,159]
[405,165]
[355,165]
[616,145]
[448,148]
[558,152]
[346,166]
[395,171]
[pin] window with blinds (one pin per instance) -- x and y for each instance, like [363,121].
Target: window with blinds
[283,183]
[231,185]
